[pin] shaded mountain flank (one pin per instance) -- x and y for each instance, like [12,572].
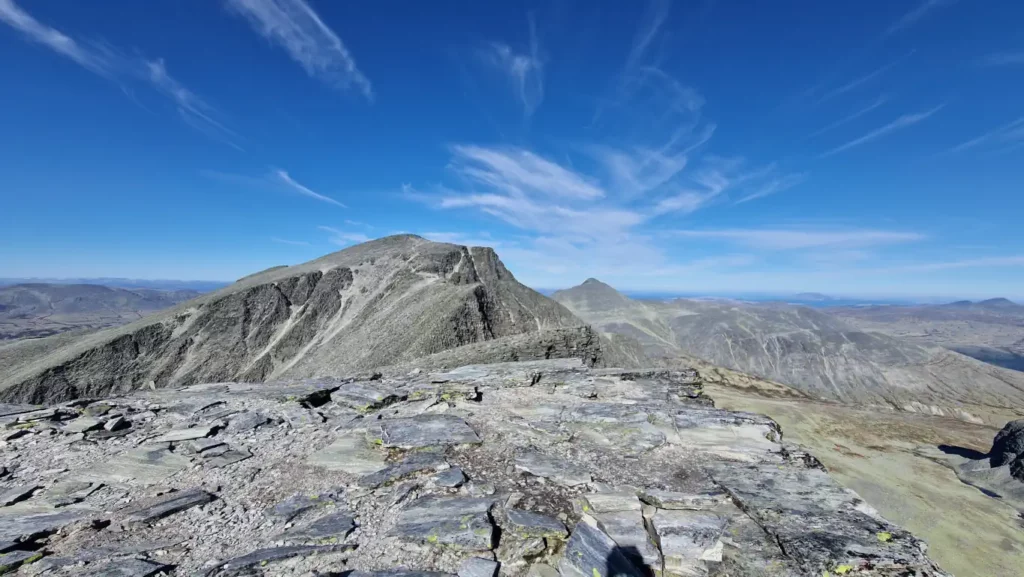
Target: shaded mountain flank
[805,348]
[37,310]
[991,330]
[380,303]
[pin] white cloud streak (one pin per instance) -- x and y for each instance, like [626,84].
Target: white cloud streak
[298,187]
[902,122]
[343,238]
[915,15]
[863,79]
[848,119]
[296,28]
[783,239]
[112,65]
[525,71]
[774,186]
[518,171]
[1009,132]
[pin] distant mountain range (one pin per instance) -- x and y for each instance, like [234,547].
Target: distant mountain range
[808,349]
[39,310]
[167,285]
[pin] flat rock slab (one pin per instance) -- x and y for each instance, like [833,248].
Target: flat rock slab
[629,532]
[16,494]
[298,504]
[678,500]
[591,553]
[526,524]
[186,434]
[425,431]
[246,421]
[65,493]
[456,522]
[365,396]
[451,477]
[413,464]
[554,468]
[127,568]
[329,529]
[23,521]
[11,561]
[687,539]
[147,465]
[83,424]
[168,505]
[399,573]
[350,454]
[8,409]
[478,567]
[263,557]
[610,502]
[229,457]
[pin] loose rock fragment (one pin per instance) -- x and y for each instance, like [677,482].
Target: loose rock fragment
[329,529]
[558,470]
[298,504]
[452,477]
[15,494]
[246,421]
[460,523]
[478,567]
[591,553]
[226,458]
[525,524]
[687,539]
[425,431]
[365,396]
[263,557]
[168,505]
[127,568]
[10,562]
[187,434]
[677,500]
[83,424]
[349,453]
[411,465]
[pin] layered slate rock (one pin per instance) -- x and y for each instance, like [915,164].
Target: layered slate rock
[533,469]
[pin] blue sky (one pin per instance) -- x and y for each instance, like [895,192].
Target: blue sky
[851,148]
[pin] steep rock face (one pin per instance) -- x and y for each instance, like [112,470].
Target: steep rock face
[801,347]
[376,304]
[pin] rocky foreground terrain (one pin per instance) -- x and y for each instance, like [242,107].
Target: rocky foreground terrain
[541,468]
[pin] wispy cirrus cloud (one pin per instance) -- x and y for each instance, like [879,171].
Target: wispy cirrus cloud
[858,82]
[113,65]
[524,71]
[298,29]
[518,171]
[276,180]
[986,262]
[344,238]
[902,122]
[915,15]
[1011,132]
[848,119]
[289,242]
[774,186]
[1003,59]
[791,239]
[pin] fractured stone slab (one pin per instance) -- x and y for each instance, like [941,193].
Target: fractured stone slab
[457,522]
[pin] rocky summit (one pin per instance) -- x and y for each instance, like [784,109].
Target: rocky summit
[540,469]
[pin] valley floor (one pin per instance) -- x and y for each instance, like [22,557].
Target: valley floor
[872,453]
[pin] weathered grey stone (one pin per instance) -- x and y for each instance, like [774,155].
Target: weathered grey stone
[69,492]
[687,539]
[678,500]
[556,469]
[609,502]
[413,464]
[83,424]
[350,454]
[263,557]
[541,570]
[399,573]
[146,464]
[298,417]
[526,524]
[38,415]
[197,432]
[117,423]
[9,562]
[226,458]
[299,503]
[478,567]
[424,431]
[168,505]
[628,531]
[591,553]
[24,521]
[329,529]
[9,409]
[127,568]
[96,410]
[1008,443]
[202,445]
[460,523]
[6,546]
[452,477]
[246,421]
[15,434]
[15,494]
[365,396]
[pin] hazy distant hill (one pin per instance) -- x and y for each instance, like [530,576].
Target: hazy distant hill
[799,346]
[381,303]
[991,330]
[37,310]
